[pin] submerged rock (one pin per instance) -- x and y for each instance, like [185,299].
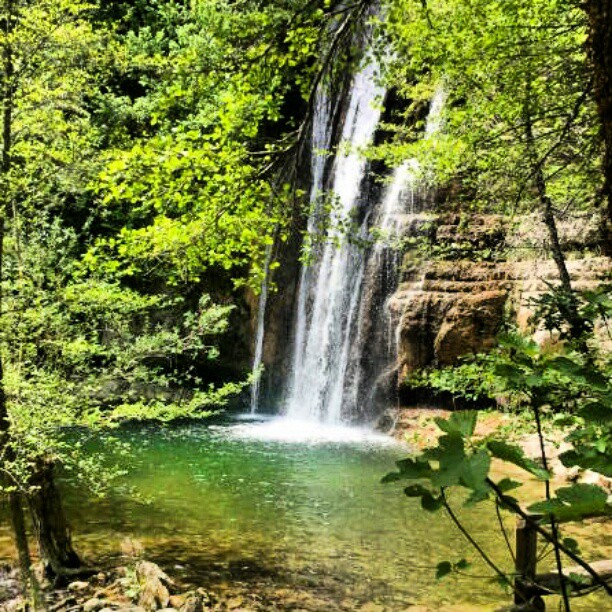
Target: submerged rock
[94,604]
[79,585]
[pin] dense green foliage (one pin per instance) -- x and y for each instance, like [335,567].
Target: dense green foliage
[150,158]
[509,68]
[146,170]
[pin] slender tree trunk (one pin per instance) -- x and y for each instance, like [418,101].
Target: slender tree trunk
[599,47]
[569,304]
[28,579]
[50,526]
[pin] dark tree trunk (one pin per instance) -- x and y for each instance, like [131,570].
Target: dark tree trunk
[50,526]
[599,46]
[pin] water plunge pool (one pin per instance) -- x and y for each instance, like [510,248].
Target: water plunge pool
[286,515]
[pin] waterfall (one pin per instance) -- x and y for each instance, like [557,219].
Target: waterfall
[259,334]
[343,339]
[399,215]
[320,144]
[330,290]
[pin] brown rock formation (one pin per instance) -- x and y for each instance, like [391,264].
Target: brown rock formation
[456,307]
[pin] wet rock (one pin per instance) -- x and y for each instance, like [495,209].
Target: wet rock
[192,604]
[154,586]
[9,584]
[93,604]
[79,585]
[177,601]
[234,602]
[470,326]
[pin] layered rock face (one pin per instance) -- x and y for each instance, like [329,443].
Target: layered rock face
[454,306]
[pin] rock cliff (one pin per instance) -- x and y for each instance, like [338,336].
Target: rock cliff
[454,305]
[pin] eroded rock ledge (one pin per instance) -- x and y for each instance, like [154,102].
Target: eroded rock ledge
[449,308]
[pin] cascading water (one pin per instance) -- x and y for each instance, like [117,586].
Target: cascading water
[259,333]
[399,215]
[320,144]
[344,333]
[332,287]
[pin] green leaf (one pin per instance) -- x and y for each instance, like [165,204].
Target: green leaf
[463,422]
[571,544]
[596,412]
[574,502]
[416,490]
[391,477]
[579,579]
[428,501]
[475,470]
[431,503]
[411,468]
[514,454]
[443,569]
[476,497]
[507,484]
[509,372]
[565,365]
[588,459]
[450,454]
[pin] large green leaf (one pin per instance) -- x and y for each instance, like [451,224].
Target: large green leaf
[475,470]
[596,412]
[409,469]
[588,459]
[575,502]
[463,422]
[514,454]
[450,454]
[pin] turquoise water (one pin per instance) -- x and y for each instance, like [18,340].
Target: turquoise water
[286,512]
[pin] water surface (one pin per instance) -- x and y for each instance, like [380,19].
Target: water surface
[284,511]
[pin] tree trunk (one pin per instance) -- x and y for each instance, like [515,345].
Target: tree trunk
[599,48]
[568,306]
[50,526]
[29,582]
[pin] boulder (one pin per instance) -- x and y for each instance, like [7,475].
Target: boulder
[177,601]
[154,584]
[93,605]
[192,603]
[79,585]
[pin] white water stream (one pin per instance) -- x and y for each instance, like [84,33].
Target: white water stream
[325,381]
[322,338]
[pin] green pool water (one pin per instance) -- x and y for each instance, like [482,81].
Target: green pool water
[287,512]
